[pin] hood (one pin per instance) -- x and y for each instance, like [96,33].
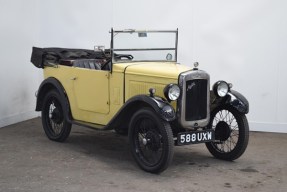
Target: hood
[154,69]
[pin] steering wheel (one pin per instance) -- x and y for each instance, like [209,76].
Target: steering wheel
[120,56]
[117,56]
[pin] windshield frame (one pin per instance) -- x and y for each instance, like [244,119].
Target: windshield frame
[131,31]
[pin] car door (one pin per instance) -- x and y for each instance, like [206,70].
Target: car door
[91,88]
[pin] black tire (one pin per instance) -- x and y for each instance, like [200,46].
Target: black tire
[54,123]
[231,133]
[151,141]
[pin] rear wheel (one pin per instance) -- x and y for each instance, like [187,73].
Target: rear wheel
[54,123]
[151,141]
[231,133]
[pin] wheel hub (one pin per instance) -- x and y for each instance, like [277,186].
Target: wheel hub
[222,131]
[152,141]
[56,116]
[145,141]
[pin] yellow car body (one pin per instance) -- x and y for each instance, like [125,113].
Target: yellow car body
[95,96]
[157,103]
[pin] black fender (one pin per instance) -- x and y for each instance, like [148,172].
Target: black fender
[45,87]
[234,99]
[162,108]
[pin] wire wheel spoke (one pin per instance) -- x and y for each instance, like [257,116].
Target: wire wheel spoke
[148,140]
[231,133]
[55,125]
[55,117]
[226,127]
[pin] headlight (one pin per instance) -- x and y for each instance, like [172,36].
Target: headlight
[171,92]
[220,88]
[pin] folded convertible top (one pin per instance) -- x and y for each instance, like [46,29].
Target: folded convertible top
[43,56]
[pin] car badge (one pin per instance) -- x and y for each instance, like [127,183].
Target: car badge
[189,87]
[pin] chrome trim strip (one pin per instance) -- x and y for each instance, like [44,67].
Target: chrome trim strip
[144,31]
[146,61]
[183,78]
[146,49]
[176,44]
[114,32]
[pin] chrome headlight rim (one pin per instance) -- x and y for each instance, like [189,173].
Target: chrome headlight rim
[221,88]
[171,92]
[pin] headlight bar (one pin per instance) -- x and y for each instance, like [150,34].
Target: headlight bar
[221,88]
[171,92]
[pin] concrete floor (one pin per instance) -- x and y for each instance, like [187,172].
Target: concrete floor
[100,161]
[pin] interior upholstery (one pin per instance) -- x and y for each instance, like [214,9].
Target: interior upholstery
[87,63]
[67,62]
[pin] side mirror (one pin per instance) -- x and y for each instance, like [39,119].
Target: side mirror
[169,57]
[142,34]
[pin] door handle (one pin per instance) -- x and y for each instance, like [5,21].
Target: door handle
[73,78]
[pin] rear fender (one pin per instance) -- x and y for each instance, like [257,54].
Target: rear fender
[47,85]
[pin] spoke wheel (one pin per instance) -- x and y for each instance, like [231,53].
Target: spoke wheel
[54,123]
[151,141]
[231,133]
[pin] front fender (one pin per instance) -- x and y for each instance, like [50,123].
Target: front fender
[238,101]
[161,107]
[164,109]
[234,99]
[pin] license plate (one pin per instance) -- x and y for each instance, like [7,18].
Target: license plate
[195,137]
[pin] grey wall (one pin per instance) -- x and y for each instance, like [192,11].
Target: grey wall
[18,79]
[243,42]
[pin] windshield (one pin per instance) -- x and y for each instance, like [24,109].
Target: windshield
[141,45]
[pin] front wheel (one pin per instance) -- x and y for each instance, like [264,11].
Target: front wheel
[151,141]
[54,123]
[231,133]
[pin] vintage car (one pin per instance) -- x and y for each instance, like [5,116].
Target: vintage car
[138,88]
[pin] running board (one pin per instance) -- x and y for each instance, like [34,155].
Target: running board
[89,125]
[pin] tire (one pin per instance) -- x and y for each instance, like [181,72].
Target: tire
[151,141]
[54,123]
[231,133]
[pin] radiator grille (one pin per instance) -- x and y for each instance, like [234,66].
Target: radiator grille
[196,97]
